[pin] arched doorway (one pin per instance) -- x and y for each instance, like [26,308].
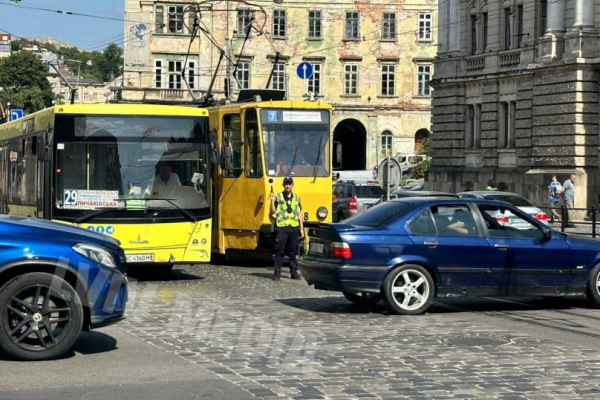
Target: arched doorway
[420,137]
[352,135]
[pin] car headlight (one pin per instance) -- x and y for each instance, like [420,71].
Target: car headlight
[95,253]
[322,212]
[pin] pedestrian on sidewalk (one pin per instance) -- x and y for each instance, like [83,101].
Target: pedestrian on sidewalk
[568,193]
[491,187]
[289,227]
[554,194]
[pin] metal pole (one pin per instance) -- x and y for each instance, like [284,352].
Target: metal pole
[388,162]
[563,212]
[593,221]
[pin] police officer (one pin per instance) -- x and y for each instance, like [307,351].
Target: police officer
[286,207]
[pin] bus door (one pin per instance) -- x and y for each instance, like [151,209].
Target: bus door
[3,179]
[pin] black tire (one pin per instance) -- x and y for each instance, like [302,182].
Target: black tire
[593,287]
[408,290]
[45,306]
[363,298]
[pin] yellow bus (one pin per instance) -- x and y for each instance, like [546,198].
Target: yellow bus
[139,173]
[260,143]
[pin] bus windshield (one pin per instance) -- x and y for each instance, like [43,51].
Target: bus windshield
[296,142]
[131,163]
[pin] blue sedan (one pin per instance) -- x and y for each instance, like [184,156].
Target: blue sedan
[408,251]
[55,280]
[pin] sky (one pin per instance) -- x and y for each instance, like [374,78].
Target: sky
[88,33]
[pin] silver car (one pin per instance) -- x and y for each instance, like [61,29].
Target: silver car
[511,198]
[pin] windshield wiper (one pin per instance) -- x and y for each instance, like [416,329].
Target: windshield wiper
[293,161]
[103,211]
[317,160]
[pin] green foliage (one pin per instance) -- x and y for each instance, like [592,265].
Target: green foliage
[100,66]
[23,82]
[420,169]
[14,45]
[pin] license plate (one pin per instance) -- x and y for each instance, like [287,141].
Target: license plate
[133,258]
[316,247]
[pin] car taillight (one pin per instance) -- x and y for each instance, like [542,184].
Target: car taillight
[340,250]
[541,216]
[502,220]
[353,205]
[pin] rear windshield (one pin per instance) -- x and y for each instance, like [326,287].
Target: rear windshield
[381,214]
[517,201]
[370,191]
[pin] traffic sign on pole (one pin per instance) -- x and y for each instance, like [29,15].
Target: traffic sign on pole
[389,174]
[304,70]
[16,113]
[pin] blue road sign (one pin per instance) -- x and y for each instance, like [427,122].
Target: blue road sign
[304,70]
[16,113]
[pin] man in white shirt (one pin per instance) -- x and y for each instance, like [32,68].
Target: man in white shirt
[165,176]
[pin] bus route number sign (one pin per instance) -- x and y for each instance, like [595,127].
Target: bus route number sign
[70,197]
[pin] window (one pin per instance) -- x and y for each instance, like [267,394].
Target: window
[314,82]
[243,75]
[278,23]
[175,19]
[388,80]
[351,31]
[191,74]
[351,79]
[159,20]
[473,126]
[86,96]
[278,81]
[314,24]
[244,21]
[4,47]
[454,220]
[423,225]
[507,28]
[174,74]
[519,25]
[425,20]
[95,96]
[505,223]
[424,76]
[389,26]
[386,143]
[253,159]
[485,31]
[232,146]
[158,73]
[507,124]
[543,17]
[473,34]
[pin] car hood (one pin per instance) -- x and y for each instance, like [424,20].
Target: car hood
[582,242]
[46,230]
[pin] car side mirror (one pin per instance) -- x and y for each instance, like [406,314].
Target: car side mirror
[215,156]
[43,150]
[547,233]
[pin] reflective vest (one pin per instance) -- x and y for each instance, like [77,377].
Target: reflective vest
[283,218]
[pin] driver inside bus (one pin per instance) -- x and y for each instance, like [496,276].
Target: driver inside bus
[165,177]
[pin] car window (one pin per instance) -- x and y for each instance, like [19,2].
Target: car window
[338,191]
[515,200]
[502,222]
[381,215]
[369,191]
[454,220]
[423,224]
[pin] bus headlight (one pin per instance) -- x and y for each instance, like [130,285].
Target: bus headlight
[322,212]
[95,253]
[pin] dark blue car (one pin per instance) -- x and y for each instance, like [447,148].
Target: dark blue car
[55,280]
[411,250]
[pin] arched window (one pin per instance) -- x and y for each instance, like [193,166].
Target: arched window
[420,137]
[386,143]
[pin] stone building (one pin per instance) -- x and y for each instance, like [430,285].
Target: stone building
[372,60]
[5,49]
[516,97]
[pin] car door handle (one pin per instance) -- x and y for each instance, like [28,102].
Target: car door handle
[430,243]
[501,246]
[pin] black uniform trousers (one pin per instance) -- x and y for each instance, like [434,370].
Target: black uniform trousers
[286,239]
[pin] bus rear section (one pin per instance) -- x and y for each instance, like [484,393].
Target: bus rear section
[260,144]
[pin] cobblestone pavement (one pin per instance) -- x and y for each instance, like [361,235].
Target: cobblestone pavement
[286,340]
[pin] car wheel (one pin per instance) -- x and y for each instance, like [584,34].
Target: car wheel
[408,290]
[40,317]
[593,288]
[363,298]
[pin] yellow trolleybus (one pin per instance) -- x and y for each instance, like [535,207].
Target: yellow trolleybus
[139,173]
[261,142]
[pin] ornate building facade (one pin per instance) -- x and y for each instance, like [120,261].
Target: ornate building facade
[371,59]
[516,97]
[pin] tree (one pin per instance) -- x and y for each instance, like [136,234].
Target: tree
[23,82]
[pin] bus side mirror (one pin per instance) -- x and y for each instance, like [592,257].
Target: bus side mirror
[227,157]
[43,150]
[215,156]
